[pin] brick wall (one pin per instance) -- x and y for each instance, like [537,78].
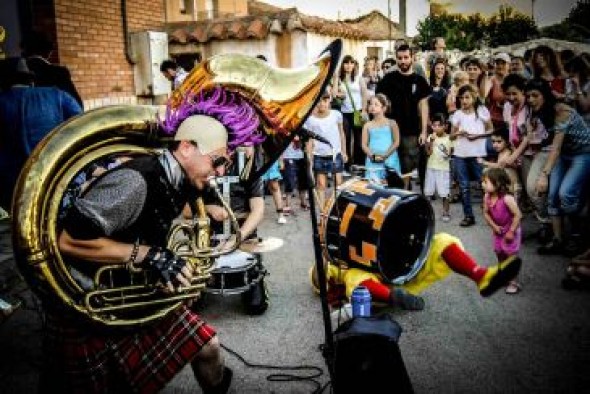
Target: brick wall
[91,44]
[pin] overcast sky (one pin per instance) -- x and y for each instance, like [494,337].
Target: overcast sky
[547,12]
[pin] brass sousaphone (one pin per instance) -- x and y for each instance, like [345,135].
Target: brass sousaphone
[113,296]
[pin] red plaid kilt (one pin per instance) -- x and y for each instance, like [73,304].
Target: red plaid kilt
[142,361]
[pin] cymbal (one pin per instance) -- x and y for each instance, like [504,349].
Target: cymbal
[261,245]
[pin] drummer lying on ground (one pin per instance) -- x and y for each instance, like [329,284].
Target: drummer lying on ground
[446,254]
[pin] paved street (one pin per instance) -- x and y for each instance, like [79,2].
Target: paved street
[537,341]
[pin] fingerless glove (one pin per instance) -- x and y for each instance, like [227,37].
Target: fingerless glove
[164,262]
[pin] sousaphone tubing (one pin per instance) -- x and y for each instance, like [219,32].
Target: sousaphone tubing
[111,295]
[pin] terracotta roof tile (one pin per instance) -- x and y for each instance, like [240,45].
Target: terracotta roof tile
[218,31]
[258,29]
[180,36]
[237,30]
[265,19]
[199,34]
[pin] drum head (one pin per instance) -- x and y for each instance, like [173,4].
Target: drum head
[405,238]
[236,260]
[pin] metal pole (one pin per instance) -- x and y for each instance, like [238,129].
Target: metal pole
[389,17]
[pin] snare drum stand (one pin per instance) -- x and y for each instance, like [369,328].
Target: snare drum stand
[328,348]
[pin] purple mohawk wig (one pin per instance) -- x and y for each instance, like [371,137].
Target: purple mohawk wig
[235,113]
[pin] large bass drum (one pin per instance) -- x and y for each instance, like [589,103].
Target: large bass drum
[377,229]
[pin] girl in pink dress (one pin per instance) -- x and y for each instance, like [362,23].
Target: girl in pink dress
[502,214]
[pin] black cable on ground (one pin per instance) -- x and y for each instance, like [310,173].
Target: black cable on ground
[313,372]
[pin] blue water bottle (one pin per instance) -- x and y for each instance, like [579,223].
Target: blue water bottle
[361,302]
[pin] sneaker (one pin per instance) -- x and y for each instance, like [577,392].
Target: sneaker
[499,275]
[468,221]
[446,217]
[282,220]
[346,173]
[555,246]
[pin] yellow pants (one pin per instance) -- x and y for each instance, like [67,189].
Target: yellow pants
[433,270]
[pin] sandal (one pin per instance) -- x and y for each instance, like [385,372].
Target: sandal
[513,288]
[287,211]
[304,207]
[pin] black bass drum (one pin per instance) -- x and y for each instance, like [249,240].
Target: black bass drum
[378,229]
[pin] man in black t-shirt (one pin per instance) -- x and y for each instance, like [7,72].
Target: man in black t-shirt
[408,93]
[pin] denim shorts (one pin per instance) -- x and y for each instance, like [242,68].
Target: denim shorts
[294,175]
[325,164]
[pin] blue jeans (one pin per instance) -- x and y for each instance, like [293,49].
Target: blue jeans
[467,169]
[569,178]
[325,164]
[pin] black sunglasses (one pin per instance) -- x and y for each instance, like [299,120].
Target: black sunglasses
[219,161]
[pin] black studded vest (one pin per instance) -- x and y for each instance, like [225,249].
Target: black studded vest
[163,204]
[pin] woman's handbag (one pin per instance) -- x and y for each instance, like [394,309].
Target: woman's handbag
[358,120]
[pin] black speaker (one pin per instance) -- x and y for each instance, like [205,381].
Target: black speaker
[367,358]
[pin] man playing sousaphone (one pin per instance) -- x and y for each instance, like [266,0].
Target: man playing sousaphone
[97,337]
[124,218]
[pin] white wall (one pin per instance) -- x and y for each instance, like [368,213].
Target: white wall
[246,47]
[384,45]
[300,53]
[317,43]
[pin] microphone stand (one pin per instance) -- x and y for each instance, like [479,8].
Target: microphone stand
[328,348]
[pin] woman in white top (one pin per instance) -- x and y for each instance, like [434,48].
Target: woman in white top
[351,88]
[471,125]
[327,159]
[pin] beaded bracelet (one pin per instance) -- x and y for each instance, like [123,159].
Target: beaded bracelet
[131,262]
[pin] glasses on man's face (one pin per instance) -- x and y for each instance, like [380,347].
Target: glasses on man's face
[219,161]
[386,67]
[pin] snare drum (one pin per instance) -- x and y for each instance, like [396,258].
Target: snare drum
[235,273]
[378,229]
